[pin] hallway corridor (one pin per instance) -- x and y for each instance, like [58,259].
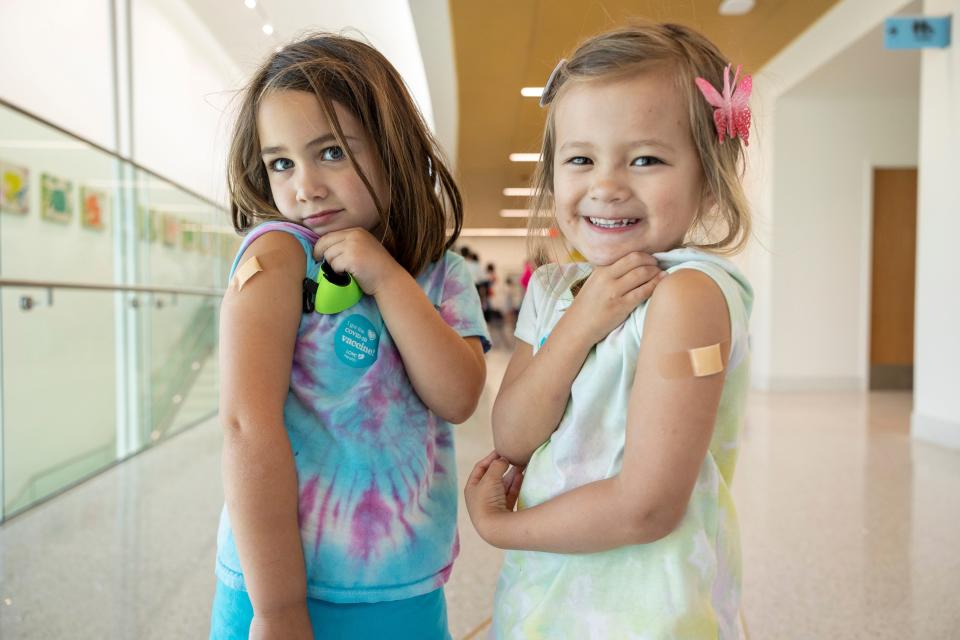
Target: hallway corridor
[849,531]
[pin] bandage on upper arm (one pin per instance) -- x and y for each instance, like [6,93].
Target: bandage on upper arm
[697,362]
[246,271]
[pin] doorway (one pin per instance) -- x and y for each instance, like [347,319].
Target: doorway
[893,278]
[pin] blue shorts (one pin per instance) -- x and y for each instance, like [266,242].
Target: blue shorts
[420,618]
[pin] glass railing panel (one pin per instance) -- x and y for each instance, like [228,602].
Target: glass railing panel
[182,241]
[58,204]
[59,390]
[99,375]
[181,359]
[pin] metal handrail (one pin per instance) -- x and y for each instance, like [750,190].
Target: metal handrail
[46,284]
[110,152]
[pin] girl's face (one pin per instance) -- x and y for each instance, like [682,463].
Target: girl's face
[311,178]
[627,175]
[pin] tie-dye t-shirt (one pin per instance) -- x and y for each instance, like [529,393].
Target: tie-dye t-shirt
[685,585]
[376,468]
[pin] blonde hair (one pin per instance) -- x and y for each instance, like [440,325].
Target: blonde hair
[422,199]
[688,55]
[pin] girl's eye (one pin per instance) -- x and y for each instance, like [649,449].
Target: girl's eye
[333,153]
[280,164]
[646,161]
[579,161]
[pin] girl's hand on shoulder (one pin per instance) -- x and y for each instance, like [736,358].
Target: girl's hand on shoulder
[357,252]
[490,492]
[612,292]
[291,624]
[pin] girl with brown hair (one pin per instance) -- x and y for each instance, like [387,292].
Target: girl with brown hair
[338,464]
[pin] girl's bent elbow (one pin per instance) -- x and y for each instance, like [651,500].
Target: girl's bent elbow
[651,525]
[230,424]
[514,456]
[461,412]
[238,429]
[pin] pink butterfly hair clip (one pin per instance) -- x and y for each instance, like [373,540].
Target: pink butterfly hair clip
[731,115]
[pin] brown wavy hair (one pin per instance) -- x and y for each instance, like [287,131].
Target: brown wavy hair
[423,199]
[687,54]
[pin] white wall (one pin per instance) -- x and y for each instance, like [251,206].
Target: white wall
[183,84]
[826,149]
[936,409]
[431,18]
[57,63]
[809,168]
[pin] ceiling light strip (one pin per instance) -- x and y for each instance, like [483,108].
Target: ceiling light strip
[493,232]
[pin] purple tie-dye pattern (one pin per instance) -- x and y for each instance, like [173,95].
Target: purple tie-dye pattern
[371,523]
[449,310]
[378,497]
[308,494]
[320,524]
[401,506]
[444,575]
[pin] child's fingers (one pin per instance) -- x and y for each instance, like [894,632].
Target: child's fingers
[508,478]
[497,468]
[326,241]
[636,278]
[631,261]
[480,469]
[644,291]
[513,489]
[336,257]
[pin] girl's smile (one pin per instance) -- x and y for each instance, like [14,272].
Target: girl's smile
[612,224]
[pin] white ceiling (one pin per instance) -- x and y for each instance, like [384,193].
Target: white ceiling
[386,24]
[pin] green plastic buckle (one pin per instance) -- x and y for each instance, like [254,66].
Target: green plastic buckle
[331,292]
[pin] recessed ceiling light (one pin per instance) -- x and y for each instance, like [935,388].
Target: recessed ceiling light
[478,232]
[251,4]
[735,7]
[518,191]
[524,157]
[531,92]
[268,29]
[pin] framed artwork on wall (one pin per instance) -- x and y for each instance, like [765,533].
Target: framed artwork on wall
[171,230]
[148,224]
[14,189]
[94,205]
[56,199]
[188,235]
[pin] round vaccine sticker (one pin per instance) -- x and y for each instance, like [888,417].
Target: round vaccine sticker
[356,342]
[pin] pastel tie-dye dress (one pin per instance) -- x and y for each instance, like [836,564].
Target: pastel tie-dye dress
[685,585]
[376,468]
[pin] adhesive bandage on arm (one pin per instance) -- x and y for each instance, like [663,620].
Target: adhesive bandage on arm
[695,363]
[246,271]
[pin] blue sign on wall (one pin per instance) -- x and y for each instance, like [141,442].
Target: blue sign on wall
[917,32]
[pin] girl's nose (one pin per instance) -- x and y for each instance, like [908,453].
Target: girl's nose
[608,187]
[311,186]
